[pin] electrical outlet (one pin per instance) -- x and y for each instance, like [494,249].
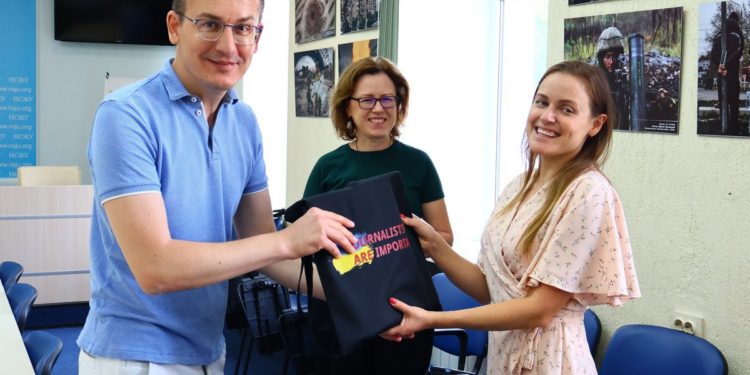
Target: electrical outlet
[688,323]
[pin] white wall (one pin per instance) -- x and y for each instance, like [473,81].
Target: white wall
[264,88]
[686,200]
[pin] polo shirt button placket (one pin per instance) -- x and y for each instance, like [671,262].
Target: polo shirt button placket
[198,112]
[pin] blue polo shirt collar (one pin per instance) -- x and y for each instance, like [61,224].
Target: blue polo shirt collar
[177,91]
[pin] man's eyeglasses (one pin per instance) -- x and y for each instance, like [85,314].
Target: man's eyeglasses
[211,30]
[386,101]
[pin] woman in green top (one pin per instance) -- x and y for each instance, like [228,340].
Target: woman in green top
[369,105]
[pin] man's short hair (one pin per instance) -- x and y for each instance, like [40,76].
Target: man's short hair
[179,6]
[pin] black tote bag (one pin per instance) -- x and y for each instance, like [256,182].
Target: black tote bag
[388,263]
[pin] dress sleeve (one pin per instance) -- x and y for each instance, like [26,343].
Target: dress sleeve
[584,247]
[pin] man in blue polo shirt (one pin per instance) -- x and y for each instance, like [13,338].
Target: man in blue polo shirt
[177,164]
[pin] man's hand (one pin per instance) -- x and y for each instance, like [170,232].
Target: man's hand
[319,229]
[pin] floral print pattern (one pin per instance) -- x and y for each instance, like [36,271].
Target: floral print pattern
[582,248]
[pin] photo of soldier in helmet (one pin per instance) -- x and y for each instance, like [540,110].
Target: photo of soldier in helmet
[609,53]
[640,53]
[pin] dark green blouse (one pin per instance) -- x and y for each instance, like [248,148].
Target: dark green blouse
[337,168]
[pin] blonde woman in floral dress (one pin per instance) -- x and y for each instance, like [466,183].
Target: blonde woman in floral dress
[556,243]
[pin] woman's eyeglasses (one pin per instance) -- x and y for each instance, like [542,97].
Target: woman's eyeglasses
[386,101]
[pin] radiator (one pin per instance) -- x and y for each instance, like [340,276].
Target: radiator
[443,359]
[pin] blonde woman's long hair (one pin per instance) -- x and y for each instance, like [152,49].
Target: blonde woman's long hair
[592,155]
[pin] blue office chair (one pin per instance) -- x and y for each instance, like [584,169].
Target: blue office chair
[647,349]
[593,330]
[43,349]
[455,341]
[10,272]
[21,296]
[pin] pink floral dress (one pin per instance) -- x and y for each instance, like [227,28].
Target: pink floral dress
[582,248]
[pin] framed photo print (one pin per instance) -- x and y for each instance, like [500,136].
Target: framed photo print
[313,82]
[640,53]
[358,15]
[723,70]
[581,2]
[314,20]
[351,52]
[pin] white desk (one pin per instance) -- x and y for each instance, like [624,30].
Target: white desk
[13,356]
[46,230]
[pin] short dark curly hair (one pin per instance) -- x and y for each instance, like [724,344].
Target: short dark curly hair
[348,81]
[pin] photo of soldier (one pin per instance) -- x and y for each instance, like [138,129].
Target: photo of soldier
[313,80]
[722,70]
[641,56]
[610,48]
[358,15]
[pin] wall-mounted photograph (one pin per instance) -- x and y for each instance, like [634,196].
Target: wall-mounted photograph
[581,2]
[358,15]
[313,81]
[314,20]
[641,55]
[351,52]
[724,69]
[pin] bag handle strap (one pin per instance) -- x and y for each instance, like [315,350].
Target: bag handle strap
[258,312]
[307,262]
[291,214]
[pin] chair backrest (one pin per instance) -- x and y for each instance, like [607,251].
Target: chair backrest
[43,348]
[647,349]
[21,296]
[453,298]
[593,330]
[10,272]
[49,175]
